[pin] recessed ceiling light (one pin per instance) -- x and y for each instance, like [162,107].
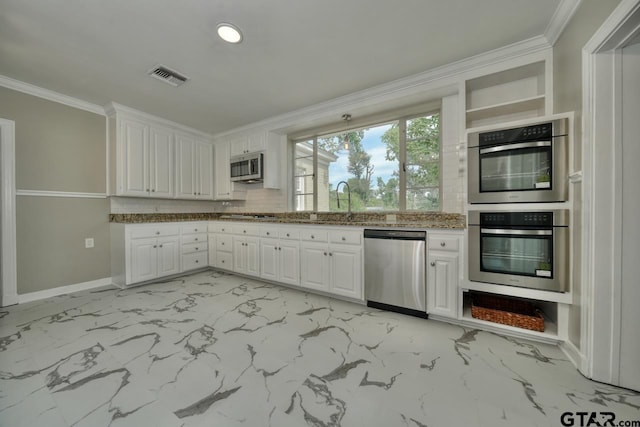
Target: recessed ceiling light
[229,33]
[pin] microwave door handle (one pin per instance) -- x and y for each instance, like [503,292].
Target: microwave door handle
[504,232]
[519,146]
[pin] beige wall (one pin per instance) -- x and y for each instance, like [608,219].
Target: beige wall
[567,85]
[58,148]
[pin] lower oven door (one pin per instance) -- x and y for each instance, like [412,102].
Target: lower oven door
[527,258]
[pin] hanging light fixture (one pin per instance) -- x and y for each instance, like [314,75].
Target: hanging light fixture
[346,118]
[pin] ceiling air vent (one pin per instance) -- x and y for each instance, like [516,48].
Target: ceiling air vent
[168,75]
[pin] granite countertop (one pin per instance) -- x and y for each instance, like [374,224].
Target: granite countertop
[437,220]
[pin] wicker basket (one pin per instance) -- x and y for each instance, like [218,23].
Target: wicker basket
[507,311]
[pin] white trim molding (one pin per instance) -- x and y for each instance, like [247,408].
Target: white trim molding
[561,17]
[63,290]
[50,95]
[66,194]
[8,214]
[600,303]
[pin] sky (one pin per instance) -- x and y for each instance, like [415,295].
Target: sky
[374,147]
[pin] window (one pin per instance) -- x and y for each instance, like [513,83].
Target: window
[387,166]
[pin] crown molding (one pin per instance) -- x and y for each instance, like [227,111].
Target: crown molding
[418,83]
[113,108]
[561,17]
[50,95]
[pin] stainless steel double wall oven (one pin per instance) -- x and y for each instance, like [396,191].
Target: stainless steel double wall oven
[510,165]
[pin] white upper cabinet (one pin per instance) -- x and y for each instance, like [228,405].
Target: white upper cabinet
[194,174]
[251,143]
[223,188]
[161,162]
[146,160]
[151,157]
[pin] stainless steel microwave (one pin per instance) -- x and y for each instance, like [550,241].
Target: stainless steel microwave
[247,168]
[519,164]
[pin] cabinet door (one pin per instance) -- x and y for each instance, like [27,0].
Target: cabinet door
[289,262]
[239,255]
[212,250]
[144,259]
[161,162]
[252,253]
[205,170]
[256,142]
[222,182]
[442,284]
[346,271]
[185,173]
[269,259]
[135,158]
[314,266]
[238,146]
[168,256]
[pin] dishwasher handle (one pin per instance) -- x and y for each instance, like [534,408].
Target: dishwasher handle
[395,234]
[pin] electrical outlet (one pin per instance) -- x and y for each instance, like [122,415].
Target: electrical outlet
[89,243]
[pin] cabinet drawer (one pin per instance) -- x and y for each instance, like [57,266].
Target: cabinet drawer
[269,232]
[160,230]
[442,242]
[194,228]
[194,247]
[350,237]
[246,230]
[193,261]
[194,238]
[289,234]
[313,235]
[224,260]
[224,243]
[220,227]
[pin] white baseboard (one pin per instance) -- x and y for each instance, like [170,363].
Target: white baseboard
[62,290]
[8,300]
[575,356]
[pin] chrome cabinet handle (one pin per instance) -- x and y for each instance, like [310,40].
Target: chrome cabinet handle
[196,239]
[287,234]
[325,254]
[442,244]
[153,191]
[157,233]
[161,246]
[313,237]
[343,239]
[330,254]
[196,261]
[155,246]
[268,234]
[279,249]
[433,263]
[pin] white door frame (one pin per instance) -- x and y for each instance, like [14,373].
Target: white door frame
[602,173]
[8,214]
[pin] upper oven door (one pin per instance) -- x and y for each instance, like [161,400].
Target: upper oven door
[517,171]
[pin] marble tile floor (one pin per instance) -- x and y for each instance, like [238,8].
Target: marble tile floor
[214,349]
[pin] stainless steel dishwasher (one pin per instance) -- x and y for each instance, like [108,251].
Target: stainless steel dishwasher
[394,270]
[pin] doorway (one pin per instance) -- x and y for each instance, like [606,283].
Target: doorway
[611,233]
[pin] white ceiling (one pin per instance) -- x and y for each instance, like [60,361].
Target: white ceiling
[295,53]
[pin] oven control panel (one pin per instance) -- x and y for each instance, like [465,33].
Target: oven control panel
[518,219]
[543,131]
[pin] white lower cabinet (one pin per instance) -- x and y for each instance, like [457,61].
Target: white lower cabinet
[153,257]
[335,266]
[246,255]
[444,254]
[280,260]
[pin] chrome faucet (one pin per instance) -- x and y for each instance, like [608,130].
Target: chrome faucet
[349,214]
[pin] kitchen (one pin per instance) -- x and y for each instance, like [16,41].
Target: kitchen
[63,180]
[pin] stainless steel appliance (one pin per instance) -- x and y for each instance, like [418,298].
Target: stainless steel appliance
[527,249]
[394,270]
[247,168]
[523,164]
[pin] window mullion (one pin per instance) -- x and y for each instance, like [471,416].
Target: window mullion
[315,173]
[402,157]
